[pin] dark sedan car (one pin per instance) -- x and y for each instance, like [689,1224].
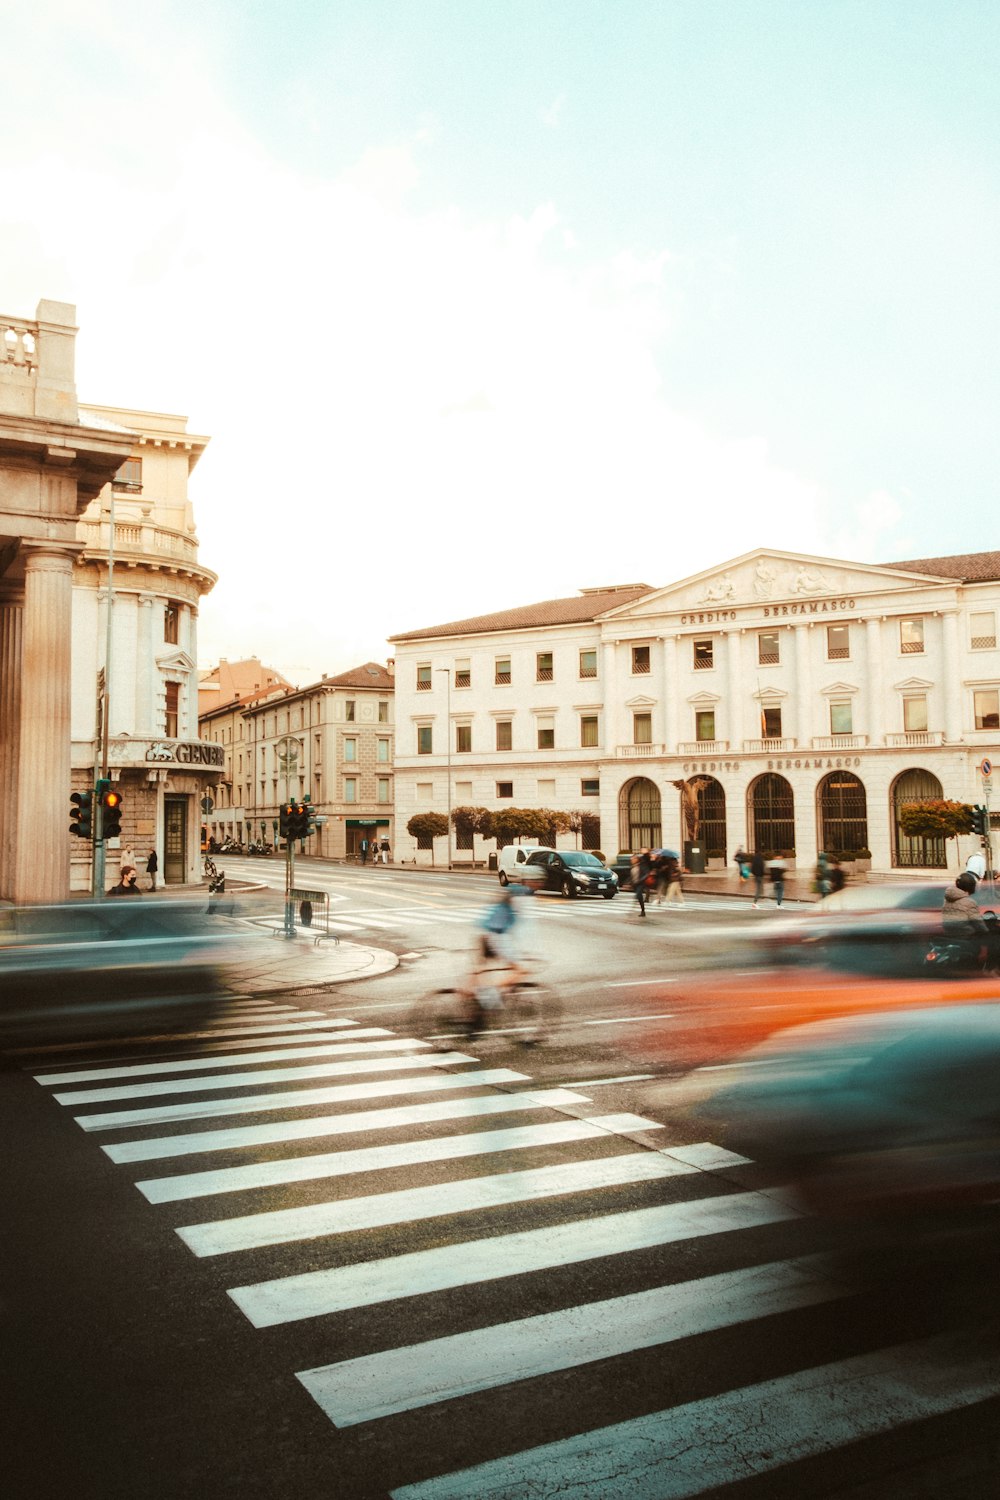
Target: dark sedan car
[574,872]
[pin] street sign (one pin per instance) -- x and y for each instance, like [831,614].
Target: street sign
[986,766]
[207,805]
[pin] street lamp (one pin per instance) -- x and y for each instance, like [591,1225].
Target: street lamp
[447,731]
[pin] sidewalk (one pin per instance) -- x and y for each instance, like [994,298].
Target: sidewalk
[269,962]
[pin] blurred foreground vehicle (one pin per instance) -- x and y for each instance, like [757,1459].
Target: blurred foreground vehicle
[91,967]
[891,1118]
[878,929]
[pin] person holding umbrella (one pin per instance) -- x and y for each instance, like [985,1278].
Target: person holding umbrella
[671,877]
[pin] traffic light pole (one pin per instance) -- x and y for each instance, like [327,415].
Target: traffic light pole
[289,886]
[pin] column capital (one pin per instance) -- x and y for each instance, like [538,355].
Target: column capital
[50,557]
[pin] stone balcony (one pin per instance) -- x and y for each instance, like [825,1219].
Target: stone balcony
[839,741]
[916,738]
[639,752]
[769,747]
[145,543]
[703,747]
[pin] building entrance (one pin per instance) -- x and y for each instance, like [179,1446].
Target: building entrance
[174,840]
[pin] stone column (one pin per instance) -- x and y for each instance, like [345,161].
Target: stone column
[612,708]
[44,778]
[804,712]
[671,708]
[735,727]
[189,615]
[11,673]
[882,716]
[952,677]
[144,663]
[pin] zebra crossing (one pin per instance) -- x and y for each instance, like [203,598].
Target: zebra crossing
[347,921]
[503,1242]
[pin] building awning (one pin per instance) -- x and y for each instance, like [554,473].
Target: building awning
[368,822]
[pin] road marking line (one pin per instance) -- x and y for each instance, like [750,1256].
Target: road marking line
[346,1216]
[350,1069]
[341,1046]
[376,1385]
[622,1020]
[313,1294]
[363,1120]
[374,1159]
[593,1083]
[687,1450]
[258,1104]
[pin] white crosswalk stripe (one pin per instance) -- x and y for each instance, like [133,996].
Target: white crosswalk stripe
[485,1184]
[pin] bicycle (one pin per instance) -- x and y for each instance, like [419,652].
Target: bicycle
[525,1009]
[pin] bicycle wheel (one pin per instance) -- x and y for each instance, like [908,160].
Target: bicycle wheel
[532,1013]
[444,1018]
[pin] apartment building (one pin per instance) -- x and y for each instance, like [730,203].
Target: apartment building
[798,701]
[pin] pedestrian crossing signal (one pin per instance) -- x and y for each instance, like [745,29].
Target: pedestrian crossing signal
[81,812]
[980,820]
[111,822]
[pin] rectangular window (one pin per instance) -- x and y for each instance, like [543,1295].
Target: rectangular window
[546,792]
[768,648]
[546,734]
[915,715]
[425,791]
[463,739]
[350,749]
[590,788]
[838,642]
[382,755]
[983,631]
[383,712]
[987,709]
[588,663]
[704,724]
[171,624]
[505,789]
[640,660]
[383,788]
[424,678]
[841,717]
[349,710]
[543,666]
[350,789]
[704,655]
[504,734]
[642,729]
[501,671]
[911,636]
[588,731]
[425,739]
[463,673]
[772,723]
[173,692]
[129,477]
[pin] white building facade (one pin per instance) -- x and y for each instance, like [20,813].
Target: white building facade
[801,700]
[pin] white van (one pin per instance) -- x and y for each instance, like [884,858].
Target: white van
[514,857]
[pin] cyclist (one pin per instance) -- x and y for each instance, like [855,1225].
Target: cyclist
[498,940]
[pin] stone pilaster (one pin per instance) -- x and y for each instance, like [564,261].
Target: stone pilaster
[43,783]
[734,729]
[11,676]
[804,712]
[144,667]
[882,716]
[952,679]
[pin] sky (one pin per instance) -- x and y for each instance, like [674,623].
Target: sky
[484,303]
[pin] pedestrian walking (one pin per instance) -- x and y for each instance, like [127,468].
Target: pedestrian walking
[757,871]
[126,859]
[385,851]
[838,879]
[821,883]
[742,859]
[675,893]
[641,873]
[364,851]
[777,873]
[152,865]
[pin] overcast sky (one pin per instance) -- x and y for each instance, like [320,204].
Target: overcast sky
[483,303]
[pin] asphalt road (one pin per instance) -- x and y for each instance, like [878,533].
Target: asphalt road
[297,1254]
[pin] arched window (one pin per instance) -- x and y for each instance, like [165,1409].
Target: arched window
[639,815]
[712,818]
[909,852]
[772,814]
[843,814]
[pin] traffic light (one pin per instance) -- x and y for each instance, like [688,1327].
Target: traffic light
[111,820]
[81,811]
[285,815]
[980,819]
[300,820]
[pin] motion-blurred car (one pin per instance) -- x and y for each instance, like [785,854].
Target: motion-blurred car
[878,928]
[574,872]
[877,1116]
[89,965]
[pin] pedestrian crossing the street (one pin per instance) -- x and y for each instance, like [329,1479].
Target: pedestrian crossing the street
[521,1291]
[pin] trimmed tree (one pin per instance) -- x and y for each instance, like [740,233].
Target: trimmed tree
[935,818]
[513,823]
[425,828]
[468,821]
